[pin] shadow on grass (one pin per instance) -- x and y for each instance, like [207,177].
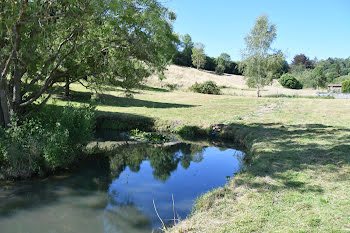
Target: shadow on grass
[148,88]
[115,101]
[282,152]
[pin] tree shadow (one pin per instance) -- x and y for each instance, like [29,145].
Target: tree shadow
[290,149]
[115,101]
[148,88]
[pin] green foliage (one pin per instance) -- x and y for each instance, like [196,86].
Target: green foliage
[335,69]
[319,76]
[341,79]
[161,77]
[303,61]
[114,42]
[208,87]
[210,63]
[223,62]
[345,86]
[172,86]
[305,77]
[220,69]
[198,55]
[190,132]
[289,81]
[233,68]
[258,64]
[150,137]
[51,140]
[184,57]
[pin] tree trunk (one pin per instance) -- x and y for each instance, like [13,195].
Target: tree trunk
[4,108]
[2,120]
[17,97]
[258,91]
[66,88]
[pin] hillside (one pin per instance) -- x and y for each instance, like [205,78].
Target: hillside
[184,77]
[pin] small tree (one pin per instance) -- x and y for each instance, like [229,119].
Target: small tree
[345,86]
[223,63]
[198,56]
[289,81]
[256,64]
[302,60]
[161,77]
[319,76]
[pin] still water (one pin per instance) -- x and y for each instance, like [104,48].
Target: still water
[116,194]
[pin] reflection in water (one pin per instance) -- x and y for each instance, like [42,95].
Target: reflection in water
[116,195]
[163,160]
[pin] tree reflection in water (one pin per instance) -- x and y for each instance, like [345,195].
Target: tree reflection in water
[163,159]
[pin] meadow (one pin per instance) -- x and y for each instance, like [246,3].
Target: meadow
[298,150]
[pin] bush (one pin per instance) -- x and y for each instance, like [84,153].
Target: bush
[345,86]
[209,87]
[172,86]
[190,132]
[220,69]
[289,81]
[52,139]
[341,79]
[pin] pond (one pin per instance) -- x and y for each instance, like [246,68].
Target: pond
[117,194]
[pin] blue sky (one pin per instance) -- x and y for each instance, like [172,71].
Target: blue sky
[316,28]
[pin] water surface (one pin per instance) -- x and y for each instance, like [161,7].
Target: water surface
[116,194]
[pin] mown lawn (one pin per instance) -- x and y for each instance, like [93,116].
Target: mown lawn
[298,176]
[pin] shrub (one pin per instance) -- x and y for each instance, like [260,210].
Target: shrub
[345,86]
[150,137]
[209,87]
[289,81]
[190,132]
[341,79]
[220,69]
[50,140]
[172,86]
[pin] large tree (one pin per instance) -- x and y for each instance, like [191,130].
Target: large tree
[45,42]
[198,55]
[183,56]
[302,60]
[223,62]
[258,64]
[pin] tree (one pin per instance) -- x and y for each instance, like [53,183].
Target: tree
[183,57]
[319,76]
[161,77]
[198,55]
[223,63]
[210,63]
[45,42]
[257,61]
[302,60]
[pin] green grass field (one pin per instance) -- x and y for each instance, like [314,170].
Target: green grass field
[298,176]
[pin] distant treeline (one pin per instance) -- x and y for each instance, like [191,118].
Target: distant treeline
[220,65]
[318,74]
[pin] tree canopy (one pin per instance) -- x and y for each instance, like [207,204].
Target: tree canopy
[45,42]
[198,55]
[258,65]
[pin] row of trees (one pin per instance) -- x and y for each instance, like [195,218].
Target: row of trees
[260,65]
[43,43]
[317,74]
[192,54]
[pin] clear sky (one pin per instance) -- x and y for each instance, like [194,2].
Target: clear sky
[317,28]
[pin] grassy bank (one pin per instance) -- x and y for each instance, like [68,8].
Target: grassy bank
[299,157]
